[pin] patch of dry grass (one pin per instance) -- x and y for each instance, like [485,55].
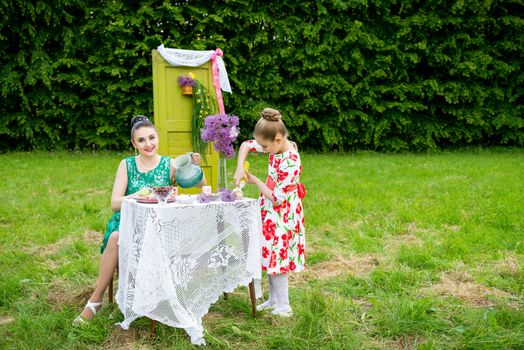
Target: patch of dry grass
[460,284]
[6,320]
[356,264]
[90,237]
[62,293]
[509,265]
[134,338]
[400,343]
[393,243]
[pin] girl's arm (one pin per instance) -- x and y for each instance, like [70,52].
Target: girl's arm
[243,152]
[266,191]
[120,187]
[288,174]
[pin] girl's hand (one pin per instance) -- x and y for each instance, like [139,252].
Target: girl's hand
[239,174]
[195,158]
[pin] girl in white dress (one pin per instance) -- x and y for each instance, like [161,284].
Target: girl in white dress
[284,244]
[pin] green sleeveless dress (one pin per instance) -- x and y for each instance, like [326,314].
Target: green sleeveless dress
[159,176]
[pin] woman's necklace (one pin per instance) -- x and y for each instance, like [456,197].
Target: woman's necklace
[143,165]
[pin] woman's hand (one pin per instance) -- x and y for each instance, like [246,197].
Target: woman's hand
[133,195]
[195,158]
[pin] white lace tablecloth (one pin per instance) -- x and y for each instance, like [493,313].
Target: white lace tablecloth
[175,260]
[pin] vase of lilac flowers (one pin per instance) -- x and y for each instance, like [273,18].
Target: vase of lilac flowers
[186,83]
[221,129]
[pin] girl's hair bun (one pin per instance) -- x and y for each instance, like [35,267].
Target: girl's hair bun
[270,125]
[271,114]
[138,119]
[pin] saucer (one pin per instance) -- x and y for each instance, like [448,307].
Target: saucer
[148,200]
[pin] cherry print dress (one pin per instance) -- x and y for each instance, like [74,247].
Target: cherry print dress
[284,241]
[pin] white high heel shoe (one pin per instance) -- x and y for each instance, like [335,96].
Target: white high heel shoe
[93,307]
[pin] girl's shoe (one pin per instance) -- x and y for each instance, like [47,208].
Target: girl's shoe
[269,304]
[283,312]
[93,307]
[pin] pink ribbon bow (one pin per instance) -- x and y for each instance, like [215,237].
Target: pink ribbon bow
[216,82]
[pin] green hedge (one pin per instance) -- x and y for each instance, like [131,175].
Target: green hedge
[386,75]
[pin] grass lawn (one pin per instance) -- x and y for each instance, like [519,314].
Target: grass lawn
[405,251]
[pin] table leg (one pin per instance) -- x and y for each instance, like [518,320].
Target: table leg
[253,298]
[152,328]
[110,292]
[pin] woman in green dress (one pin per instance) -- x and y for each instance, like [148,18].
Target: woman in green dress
[147,169]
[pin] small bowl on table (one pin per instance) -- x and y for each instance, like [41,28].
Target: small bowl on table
[162,193]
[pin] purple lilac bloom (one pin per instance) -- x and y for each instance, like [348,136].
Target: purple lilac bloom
[185,80]
[204,198]
[223,130]
[226,195]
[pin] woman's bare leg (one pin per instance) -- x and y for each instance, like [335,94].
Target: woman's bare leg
[108,263]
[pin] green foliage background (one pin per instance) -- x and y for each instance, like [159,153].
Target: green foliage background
[386,75]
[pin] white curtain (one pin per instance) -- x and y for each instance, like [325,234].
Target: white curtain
[193,58]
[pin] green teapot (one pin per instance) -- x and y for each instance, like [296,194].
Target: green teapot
[188,174]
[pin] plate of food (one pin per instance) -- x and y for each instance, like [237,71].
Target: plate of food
[152,200]
[150,195]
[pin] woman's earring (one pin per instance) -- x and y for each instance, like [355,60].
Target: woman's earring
[136,152]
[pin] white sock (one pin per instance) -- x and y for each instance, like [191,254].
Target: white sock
[271,302]
[281,285]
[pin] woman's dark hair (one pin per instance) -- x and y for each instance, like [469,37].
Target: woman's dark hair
[270,124]
[139,121]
